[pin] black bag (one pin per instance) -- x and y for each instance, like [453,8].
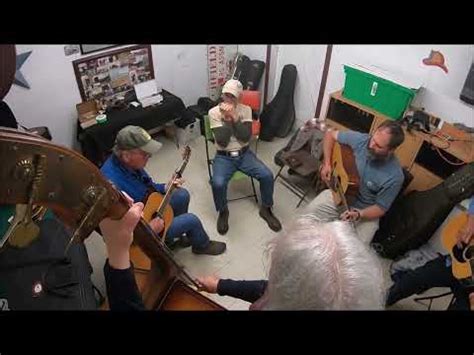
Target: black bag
[241,69]
[187,118]
[413,219]
[205,103]
[253,75]
[279,115]
[63,283]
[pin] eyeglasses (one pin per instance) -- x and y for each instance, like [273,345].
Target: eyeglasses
[142,153]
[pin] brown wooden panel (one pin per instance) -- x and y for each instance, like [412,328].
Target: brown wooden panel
[336,125]
[407,151]
[7,68]
[423,179]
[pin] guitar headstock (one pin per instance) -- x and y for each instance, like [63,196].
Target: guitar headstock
[186,153]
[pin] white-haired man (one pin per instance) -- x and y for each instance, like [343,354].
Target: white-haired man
[315,266]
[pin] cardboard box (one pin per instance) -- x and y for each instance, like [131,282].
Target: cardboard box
[87,112]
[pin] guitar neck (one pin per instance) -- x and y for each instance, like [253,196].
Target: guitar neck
[166,200]
[171,188]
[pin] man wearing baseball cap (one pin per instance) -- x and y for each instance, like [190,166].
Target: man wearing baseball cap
[125,168]
[231,124]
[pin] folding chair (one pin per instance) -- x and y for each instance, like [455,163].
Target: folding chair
[238,175]
[431,298]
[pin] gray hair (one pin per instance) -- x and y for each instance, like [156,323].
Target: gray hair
[323,266]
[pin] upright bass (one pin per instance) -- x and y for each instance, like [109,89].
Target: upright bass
[40,173]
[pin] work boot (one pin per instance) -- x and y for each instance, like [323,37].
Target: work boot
[182,242]
[267,214]
[213,248]
[223,221]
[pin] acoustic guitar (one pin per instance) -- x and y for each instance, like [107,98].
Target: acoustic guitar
[157,205]
[462,257]
[344,181]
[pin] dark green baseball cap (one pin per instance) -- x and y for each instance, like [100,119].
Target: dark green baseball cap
[133,137]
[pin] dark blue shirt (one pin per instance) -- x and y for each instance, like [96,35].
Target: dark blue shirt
[380,180]
[134,182]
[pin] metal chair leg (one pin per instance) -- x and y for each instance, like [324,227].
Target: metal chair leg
[431,298]
[208,160]
[254,191]
[278,174]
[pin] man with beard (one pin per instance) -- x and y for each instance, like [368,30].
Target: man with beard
[381,178]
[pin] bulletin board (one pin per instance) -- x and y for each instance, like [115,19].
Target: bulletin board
[220,60]
[109,76]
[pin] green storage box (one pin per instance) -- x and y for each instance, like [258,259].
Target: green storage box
[362,85]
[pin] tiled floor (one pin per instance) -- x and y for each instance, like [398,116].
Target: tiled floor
[248,234]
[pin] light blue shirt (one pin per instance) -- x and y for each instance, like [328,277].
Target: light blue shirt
[380,180]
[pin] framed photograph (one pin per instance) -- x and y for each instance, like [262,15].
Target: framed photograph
[107,77]
[90,48]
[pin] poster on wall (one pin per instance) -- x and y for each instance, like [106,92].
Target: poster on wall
[108,77]
[220,61]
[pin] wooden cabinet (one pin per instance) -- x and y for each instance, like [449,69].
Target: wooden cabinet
[406,152]
[423,179]
[429,159]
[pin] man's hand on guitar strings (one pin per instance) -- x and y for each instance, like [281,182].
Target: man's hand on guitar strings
[157,224]
[352,215]
[465,234]
[326,173]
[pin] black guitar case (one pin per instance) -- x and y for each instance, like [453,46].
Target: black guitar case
[65,284]
[253,75]
[278,116]
[414,218]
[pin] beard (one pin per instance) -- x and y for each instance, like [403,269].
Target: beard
[373,155]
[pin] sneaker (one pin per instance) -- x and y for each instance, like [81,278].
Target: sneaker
[267,214]
[223,221]
[213,248]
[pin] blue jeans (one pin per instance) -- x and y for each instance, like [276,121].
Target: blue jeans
[184,222]
[224,167]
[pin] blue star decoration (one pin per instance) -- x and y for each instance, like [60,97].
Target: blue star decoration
[19,78]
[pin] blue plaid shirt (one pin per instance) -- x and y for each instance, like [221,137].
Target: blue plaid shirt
[134,182]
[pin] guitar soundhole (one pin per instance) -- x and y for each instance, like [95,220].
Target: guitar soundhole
[458,253]
[469,253]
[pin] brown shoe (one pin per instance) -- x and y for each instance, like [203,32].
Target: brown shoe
[267,214]
[213,248]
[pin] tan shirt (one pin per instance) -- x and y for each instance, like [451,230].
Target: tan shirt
[216,120]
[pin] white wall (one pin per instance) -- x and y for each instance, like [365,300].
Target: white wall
[309,61]
[441,94]
[52,99]
[182,69]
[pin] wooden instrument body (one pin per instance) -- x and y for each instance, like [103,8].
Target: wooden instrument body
[462,258]
[79,195]
[345,177]
[153,203]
